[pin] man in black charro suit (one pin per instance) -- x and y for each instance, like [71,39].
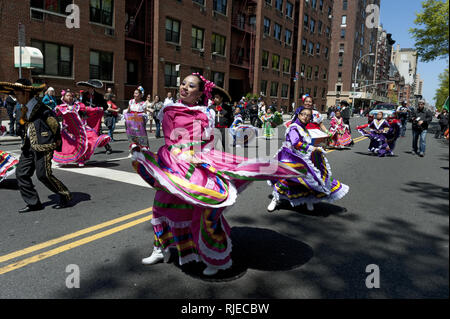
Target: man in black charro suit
[41,136]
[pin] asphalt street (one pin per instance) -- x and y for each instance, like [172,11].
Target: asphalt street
[395,217]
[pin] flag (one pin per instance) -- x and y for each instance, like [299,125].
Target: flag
[445,106]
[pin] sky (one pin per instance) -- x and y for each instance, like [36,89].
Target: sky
[397,17]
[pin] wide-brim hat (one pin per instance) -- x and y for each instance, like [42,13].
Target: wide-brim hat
[96,84]
[222,92]
[9,87]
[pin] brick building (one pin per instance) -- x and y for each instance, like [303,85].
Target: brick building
[95,50]
[352,42]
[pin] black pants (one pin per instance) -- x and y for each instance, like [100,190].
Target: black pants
[41,162]
[12,120]
[347,121]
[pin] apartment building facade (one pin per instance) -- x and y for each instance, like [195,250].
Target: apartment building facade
[94,50]
[353,45]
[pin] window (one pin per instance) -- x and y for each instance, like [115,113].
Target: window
[286,65]
[318,48]
[319,27]
[338,88]
[315,92]
[265,59]
[328,32]
[302,70]
[197,37]
[275,62]
[170,75]
[218,44]
[279,5]
[314,4]
[344,5]
[218,78]
[58,59]
[202,2]
[101,11]
[339,76]
[342,33]
[132,72]
[312,25]
[309,72]
[324,93]
[269,2]
[263,87]
[311,48]
[274,89]
[325,74]
[172,30]
[288,36]
[321,5]
[284,90]
[57,6]
[289,9]
[344,20]
[316,72]
[340,61]
[266,26]
[304,45]
[305,21]
[220,6]
[277,31]
[101,65]
[326,52]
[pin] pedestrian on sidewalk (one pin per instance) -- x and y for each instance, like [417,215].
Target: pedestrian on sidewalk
[402,114]
[111,115]
[346,114]
[157,105]
[421,118]
[49,98]
[41,137]
[150,110]
[11,103]
[443,124]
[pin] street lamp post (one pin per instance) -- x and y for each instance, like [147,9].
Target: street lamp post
[356,74]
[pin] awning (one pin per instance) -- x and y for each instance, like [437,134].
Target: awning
[31,58]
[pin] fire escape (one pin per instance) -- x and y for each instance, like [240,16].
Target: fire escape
[243,54]
[139,29]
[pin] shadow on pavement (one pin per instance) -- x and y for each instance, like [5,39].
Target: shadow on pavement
[259,249]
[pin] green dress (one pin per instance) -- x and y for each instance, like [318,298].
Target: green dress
[267,120]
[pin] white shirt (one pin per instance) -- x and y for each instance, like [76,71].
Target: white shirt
[137,107]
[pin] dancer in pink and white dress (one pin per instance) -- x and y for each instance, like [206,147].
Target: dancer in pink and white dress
[196,183]
[79,139]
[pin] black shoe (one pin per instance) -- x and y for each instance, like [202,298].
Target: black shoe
[31,208]
[108,149]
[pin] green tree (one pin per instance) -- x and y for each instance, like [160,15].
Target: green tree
[442,91]
[432,40]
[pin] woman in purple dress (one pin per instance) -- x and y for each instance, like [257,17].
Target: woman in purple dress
[299,152]
[378,132]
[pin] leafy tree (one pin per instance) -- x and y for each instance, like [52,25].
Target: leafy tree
[432,40]
[442,92]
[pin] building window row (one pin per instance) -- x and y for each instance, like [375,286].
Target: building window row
[274,89]
[276,61]
[58,61]
[308,47]
[288,9]
[316,5]
[173,35]
[307,71]
[277,32]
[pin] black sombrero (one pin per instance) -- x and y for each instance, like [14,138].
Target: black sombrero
[96,84]
[24,85]
[222,92]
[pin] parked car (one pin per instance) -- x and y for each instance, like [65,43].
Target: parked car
[387,109]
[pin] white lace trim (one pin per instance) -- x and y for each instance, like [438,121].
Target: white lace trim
[163,219]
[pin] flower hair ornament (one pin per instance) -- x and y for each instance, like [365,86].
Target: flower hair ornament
[209,86]
[141,89]
[304,97]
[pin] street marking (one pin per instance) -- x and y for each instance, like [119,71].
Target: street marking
[107,173]
[356,140]
[71,236]
[72,245]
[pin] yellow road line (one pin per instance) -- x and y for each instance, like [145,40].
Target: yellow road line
[72,245]
[70,236]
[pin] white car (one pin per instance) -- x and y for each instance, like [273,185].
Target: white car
[387,109]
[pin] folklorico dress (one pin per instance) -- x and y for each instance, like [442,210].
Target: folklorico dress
[267,124]
[341,135]
[79,139]
[195,184]
[8,165]
[241,133]
[377,134]
[318,184]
